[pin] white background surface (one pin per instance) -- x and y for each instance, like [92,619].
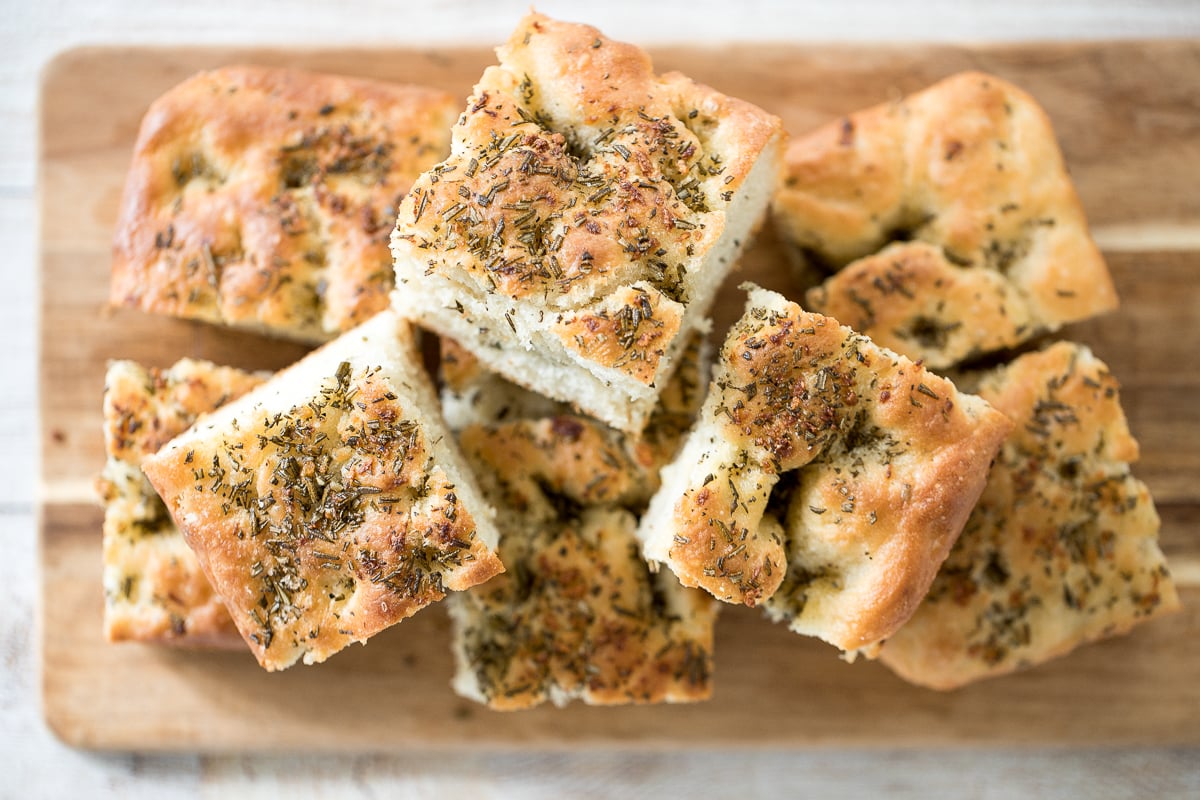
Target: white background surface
[33,764]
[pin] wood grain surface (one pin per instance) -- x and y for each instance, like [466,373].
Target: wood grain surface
[1127,116]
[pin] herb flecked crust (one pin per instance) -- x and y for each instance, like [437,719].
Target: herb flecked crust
[578,614]
[154,589]
[962,185]
[826,479]
[1062,548]
[326,521]
[264,198]
[582,200]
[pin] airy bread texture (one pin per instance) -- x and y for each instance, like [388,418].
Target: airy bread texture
[154,589]
[264,198]
[576,236]
[578,614]
[826,478]
[970,171]
[1062,547]
[329,503]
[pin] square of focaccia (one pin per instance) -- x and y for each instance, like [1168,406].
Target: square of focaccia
[329,503]
[154,589]
[1062,548]
[826,478]
[951,219]
[578,613]
[576,236]
[264,198]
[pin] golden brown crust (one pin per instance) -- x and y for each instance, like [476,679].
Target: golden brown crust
[154,589]
[144,408]
[630,330]
[265,197]
[970,167]
[1062,546]
[910,299]
[321,506]
[880,460]
[577,177]
[567,457]
[578,613]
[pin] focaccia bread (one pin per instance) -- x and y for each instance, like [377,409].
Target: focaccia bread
[578,614]
[589,210]
[154,589]
[826,478]
[263,198]
[1062,548]
[970,171]
[329,503]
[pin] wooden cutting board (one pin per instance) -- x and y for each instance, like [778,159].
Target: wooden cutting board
[1128,116]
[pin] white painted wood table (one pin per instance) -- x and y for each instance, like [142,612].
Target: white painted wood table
[34,764]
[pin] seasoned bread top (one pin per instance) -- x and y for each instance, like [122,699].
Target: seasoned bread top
[971,167]
[886,460]
[264,197]
[1062,547]
[578,613]
[910,298]
[144,408]
[577,174]
[329,503]
[154,589]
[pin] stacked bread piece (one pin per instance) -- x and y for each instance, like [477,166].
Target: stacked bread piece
[578,612]
[826,477]
[567,238]
[589,210]
[328,503]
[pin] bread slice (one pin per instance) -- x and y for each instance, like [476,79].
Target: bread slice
[578,614]
[970,171]
[263,198]
[329,503]
[1062,548]
[154,589]
[826,478]
[575,238]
